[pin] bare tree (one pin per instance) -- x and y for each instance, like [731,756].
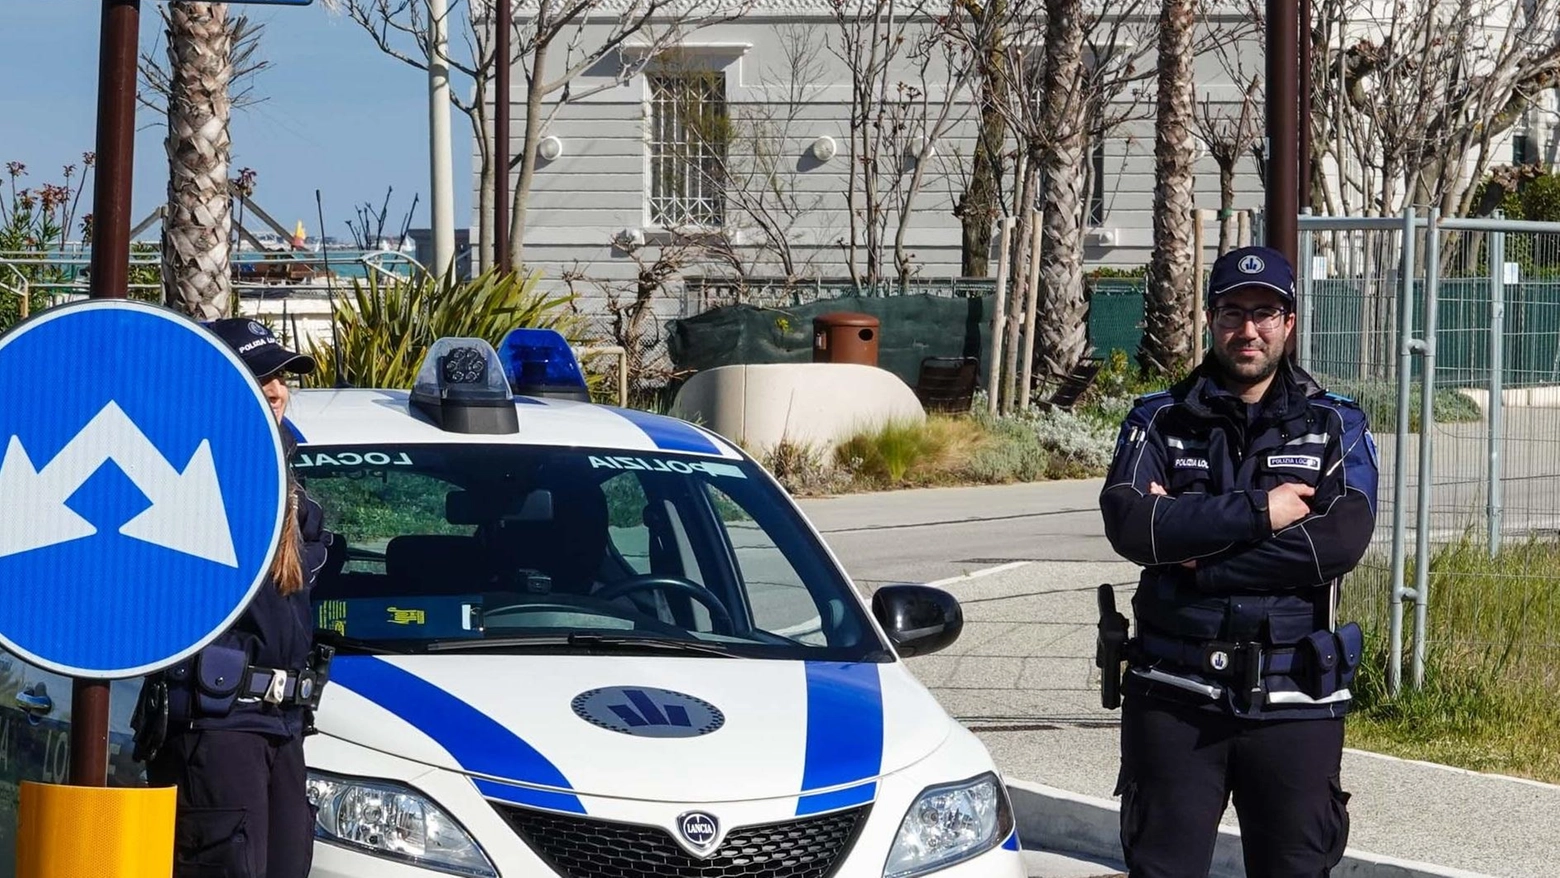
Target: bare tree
[401,29]
[908,89]
[1167,333]
[980,204]
[579,30]
[746,154]
[1423,90]
[1231,130]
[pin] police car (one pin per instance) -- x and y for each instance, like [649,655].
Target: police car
[586,641]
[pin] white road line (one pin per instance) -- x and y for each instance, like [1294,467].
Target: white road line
[1455,770]
[977,574]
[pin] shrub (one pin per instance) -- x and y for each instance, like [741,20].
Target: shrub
[383,339]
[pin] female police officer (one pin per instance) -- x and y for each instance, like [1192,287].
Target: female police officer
[226,727]
[1246,492]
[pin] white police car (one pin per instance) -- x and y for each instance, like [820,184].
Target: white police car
[583,641]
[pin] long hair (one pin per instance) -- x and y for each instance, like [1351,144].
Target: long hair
[287,565]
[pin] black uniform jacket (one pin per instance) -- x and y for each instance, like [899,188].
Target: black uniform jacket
[275,631]
[1214,569]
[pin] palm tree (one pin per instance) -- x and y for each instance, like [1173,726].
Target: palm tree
[197,227]
[1062,330]
[1167,332]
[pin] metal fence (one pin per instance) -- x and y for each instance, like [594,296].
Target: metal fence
[1447,331]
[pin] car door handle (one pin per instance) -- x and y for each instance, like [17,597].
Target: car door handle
[34,703]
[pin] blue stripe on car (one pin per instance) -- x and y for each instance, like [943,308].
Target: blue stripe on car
[529,796]
[669,434]
[818,803]
[293,429]
[844,735]
[480,744]
[1011,844]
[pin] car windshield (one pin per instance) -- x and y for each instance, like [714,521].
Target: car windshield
[503,548]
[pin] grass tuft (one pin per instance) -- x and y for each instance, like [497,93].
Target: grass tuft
[1490,667]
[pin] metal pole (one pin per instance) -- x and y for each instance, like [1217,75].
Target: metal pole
[1197,285]
[121,26]
[1282,211]
[1307,306]
[1304,105]
[998,318]
[1497,365]
[1406,348]
[501,105]
[442,172]
[1426,449]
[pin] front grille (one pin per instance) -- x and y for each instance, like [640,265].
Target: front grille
[580,847]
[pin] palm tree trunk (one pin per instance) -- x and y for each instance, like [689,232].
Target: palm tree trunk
[1167,336]
[1062,324]
[196,230]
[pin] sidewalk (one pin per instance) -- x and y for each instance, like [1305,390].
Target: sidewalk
[1022,678]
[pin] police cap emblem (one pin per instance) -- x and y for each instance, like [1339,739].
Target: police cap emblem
[1251,264]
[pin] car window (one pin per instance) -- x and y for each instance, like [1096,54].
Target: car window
[498,543]
[781,603]
[371,507]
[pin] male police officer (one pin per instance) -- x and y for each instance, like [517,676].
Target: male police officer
[1245,491]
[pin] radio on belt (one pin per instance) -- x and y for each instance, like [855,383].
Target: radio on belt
[463,388]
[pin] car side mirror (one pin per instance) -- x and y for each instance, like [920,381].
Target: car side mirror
[919,619]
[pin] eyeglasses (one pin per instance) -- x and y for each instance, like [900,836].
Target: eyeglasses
[1265,318]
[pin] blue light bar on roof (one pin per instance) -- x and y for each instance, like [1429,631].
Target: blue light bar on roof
[539,362]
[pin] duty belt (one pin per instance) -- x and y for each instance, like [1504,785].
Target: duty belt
[279,687]
[1247,661]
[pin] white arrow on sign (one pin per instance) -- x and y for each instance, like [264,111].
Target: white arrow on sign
[187,514]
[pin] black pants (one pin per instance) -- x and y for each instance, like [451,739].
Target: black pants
[242,809]
[1180,766]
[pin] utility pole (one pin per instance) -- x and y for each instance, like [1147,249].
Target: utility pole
[1306,158]
[442,190]
[1281,219]
[117,51]
[501,61]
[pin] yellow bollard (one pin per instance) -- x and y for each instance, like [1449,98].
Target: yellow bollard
[95,832]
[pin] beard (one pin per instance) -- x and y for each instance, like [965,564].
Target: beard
[1250,360]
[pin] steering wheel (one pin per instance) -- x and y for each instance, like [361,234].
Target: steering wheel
[720,619]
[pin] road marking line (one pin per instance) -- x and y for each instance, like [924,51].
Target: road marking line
[977,574]
[1454,769]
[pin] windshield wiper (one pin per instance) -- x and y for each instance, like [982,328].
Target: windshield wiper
[626,642]
[344,643]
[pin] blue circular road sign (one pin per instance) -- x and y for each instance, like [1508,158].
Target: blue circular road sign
[142,488]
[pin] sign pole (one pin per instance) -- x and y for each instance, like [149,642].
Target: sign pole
[110,280]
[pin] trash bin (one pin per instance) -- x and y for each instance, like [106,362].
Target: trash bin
[845,337]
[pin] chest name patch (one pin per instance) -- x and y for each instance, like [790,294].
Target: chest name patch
[1191,463]
[1295,461]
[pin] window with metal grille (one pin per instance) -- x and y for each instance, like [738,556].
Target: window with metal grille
[688,138]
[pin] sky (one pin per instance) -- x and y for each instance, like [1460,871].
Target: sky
[337,115]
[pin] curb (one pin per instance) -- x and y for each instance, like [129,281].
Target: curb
[1067,822]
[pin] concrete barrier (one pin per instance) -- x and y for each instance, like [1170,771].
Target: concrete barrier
[1066,822]
[811,404]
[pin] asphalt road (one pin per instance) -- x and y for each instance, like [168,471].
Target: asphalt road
[1025,561]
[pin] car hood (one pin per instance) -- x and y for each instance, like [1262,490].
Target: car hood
[545,730]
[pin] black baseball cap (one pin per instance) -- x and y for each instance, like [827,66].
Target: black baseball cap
[1252,267]
[259,348]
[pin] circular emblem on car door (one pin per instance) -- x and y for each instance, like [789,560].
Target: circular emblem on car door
[647,712]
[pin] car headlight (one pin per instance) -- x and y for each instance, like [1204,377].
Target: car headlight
[949,824]
[396,822]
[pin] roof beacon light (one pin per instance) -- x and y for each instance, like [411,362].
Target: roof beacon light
[540,362]
[462,387]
